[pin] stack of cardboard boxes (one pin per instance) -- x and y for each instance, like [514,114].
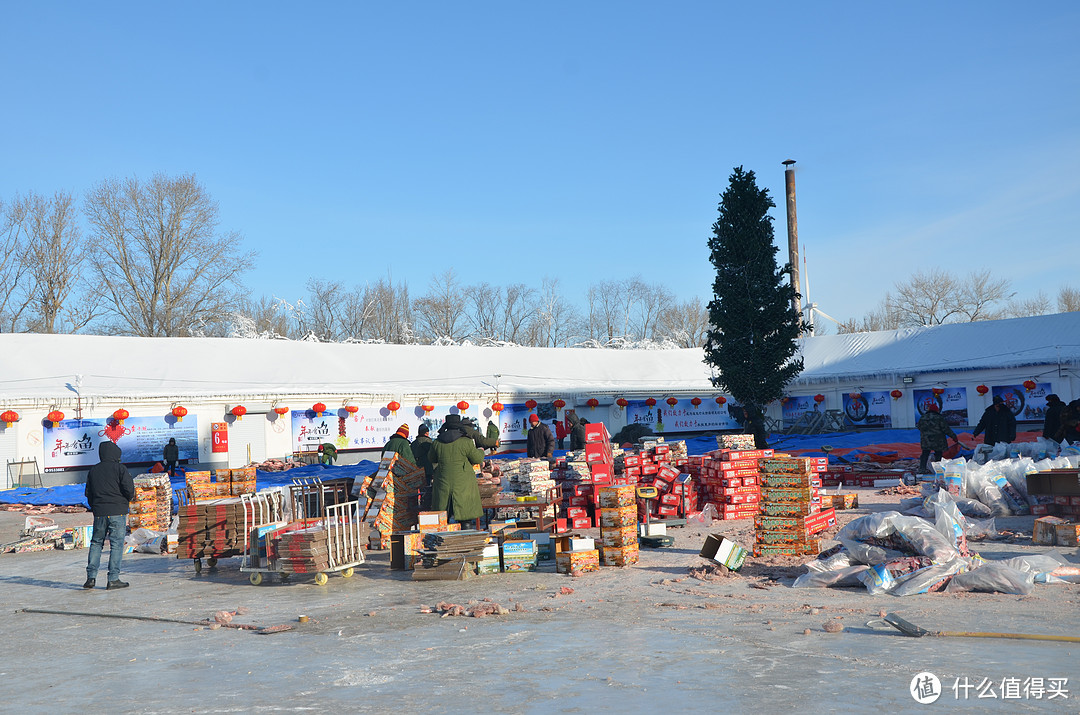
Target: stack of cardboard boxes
[152,508]
[729,479]
[618,526]
[211,529]
[401,481]
[791,512]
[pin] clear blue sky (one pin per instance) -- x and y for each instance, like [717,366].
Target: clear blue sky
[587,141]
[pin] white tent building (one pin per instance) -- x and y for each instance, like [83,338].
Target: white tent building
[276,384]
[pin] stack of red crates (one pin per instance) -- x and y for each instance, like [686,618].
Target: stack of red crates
[791,512]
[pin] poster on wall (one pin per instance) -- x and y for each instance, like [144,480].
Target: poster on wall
[869,409]
[513,421]
[219,437]
[73,444]
[682,416]
[793,408]
[1025,405]
[952,403]
[367,428]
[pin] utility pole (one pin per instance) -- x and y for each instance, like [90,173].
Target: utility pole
[792,235]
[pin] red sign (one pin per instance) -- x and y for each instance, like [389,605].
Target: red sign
[220,432]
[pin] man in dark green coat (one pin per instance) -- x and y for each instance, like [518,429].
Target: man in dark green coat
[933,429]
[454,488]
[468,426]
[400,443]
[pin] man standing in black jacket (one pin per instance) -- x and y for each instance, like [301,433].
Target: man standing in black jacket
[109,490]
[998,423]
[539,442]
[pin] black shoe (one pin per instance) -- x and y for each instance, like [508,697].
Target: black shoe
[90,583]
[116,584]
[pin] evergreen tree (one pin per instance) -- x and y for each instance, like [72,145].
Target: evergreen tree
[753,324]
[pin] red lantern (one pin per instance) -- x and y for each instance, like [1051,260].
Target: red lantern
[982,389]
[819,398]
[939,391]
[120,415]
[622,402]
[352,409]
[1029,385]
[318,408]
[238,412]
[856,395]
[178,412]
[56,417]
[531,404]
[462,406]
[282,411]
[9,417]
[592,402]
[427,408]
[695,401]
[721,400]
[393,406]
[672,401]
[496,407]
[650,402]
[559,404]
[896,394]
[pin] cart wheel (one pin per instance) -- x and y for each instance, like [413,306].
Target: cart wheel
[284,577]
[347,573]
[255,578]
[321,579]
[198,566]
[212,563]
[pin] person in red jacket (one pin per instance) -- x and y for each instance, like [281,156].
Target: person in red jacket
[560,432]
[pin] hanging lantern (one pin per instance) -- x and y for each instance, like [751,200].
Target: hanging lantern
[462,406]
[939,391]
[982,389]
[8,417]
[695,401]
[672,401]
[592,402]
[856,395]
[496,407]
[393,406]
[622,402]
[531,404]
[819,398]
[1029,385]
[238,412]
[559,404]
[721,400]
[352,409]
[428,409]
[120,415]
[56,417]
[282,411]
[178,412]
[896,394]
[650,402]
[318,408]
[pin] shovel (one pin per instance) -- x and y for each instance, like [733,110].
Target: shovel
[910,629]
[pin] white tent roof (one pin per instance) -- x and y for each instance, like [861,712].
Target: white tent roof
[42,366]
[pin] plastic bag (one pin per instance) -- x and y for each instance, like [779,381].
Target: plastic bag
[948,520]
[891,529]
[999,451]
[848,576]
[1016,502]
[973,508]
[704,517]
[987,490]
[993,577]
[979,529]
[931,578]
[147,541]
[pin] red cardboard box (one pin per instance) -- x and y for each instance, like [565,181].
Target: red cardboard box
[647,469]
[583,522]
[596,432]
[742,499]
[666,510]
[576,512]
[669,499]
[632,460]
[598,452]
[579,501]
[667,473]
[728,455]
[633,472]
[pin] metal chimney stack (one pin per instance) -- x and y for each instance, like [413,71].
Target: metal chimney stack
[792,234]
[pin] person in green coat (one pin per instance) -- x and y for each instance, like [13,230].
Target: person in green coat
[327,453]
[482,441]
[455,489]
[400,443]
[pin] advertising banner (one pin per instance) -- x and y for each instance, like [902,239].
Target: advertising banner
[793,408]
[73,444]
[682,417]
[367,428]
[1025,405]
[869,408]
[952,403]
[219,437]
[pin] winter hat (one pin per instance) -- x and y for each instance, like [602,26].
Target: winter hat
[403,431]
[452,421]
[534,419]
[422,429]
[934,408]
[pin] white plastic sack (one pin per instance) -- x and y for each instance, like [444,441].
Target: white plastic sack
[910,532]
[848,576]
[987,490]
[930,578]
[993,577]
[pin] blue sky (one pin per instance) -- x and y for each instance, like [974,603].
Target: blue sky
[585,141]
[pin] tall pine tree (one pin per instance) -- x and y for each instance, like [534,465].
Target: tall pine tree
[753,324]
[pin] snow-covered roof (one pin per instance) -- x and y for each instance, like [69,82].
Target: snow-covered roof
[36,366]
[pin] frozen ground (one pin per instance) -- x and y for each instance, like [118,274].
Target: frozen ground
[643,639]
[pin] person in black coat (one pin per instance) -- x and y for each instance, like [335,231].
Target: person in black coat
[539,442]
[172,456]
[1052,420]
[577,430]
[998,422]
[109,490]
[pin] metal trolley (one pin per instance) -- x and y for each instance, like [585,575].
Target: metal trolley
[314,503]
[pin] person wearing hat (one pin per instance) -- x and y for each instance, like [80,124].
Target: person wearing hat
[400,443]
[421,447]
[539,442]
[488,441]
[933,430]
[577,429]
[998,422]
[454,488]
[1052,418]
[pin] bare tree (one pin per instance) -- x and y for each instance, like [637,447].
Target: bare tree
[265,317]
[486,311]
[1068,300]
[686,323]
[979,293]
[391,318]
[883,317]
[609,311]
[927,298]
[158,257]
[440,313]
[649,303]
[14,270]
[556,321]
[518,307]
[1023,308]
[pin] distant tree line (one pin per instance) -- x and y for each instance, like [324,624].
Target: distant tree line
[149,258]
